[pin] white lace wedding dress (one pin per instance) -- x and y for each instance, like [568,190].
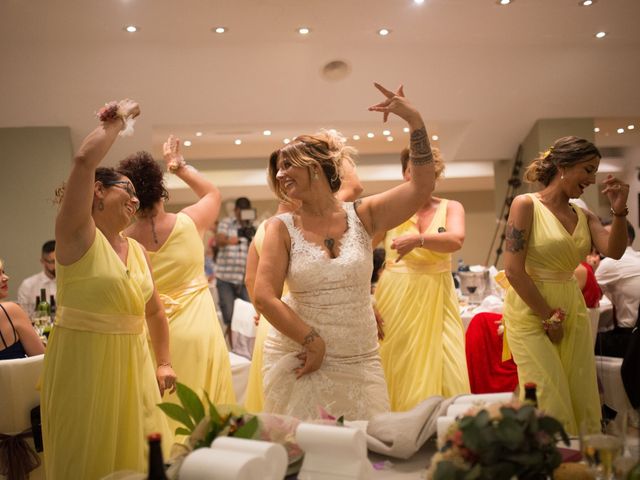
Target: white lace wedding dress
[333,296]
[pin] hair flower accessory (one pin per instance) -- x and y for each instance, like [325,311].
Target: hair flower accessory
[547,152]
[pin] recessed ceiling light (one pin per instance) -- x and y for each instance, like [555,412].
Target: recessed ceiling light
[630,127]
[237,141]
[383,32]
[601,34]
[131,28]
[220,29]
[406,130]
[435,138]
[370,135]
[356,137]
[386,133]
[596,130]
[587,3]
[418,2]
[620,130]
[504,2]
[187,143]
[304,30]
[266,133]
[286,140]
[389,138]
[198,134]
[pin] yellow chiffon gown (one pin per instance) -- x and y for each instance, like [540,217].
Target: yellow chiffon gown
[99,390]
[565,372]
[199,353]
[423,349]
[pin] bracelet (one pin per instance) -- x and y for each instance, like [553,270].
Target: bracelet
[310,337]
[109,112]
[166,364]
[175,166]
[556,317]
[421,241]
[624,212]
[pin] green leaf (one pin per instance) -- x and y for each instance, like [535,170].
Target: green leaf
[177,413]
[182,431]
[248,430]
[190,402]
[445,470]
[213,413]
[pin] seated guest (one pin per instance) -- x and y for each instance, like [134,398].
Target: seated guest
[18,337]
[588,284]
[30,287]
[620,282]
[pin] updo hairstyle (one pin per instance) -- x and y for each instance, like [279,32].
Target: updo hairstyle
[326,149]
[147,178]
[565,152]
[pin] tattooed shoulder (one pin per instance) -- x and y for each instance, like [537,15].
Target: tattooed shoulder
[515,238]
[357,203]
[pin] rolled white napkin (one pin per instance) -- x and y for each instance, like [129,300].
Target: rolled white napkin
[219,464]
[333,452]
[484,398]
[443,424]
[274,454]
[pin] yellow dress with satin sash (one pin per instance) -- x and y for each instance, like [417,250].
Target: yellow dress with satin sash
[199,353]
[565,372]
[99,390]
[423,349]
[254,401]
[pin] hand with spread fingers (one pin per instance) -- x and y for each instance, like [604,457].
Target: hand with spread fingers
[171,153]
[396,103]
[617,192]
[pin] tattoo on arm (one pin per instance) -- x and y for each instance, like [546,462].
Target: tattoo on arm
[357,203]
[515,239]
[419,148]
[310,337]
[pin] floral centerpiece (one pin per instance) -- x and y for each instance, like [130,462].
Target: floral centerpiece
[500,442]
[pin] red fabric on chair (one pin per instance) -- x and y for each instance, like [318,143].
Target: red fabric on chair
[487,372]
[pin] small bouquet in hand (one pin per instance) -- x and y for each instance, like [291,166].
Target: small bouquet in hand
[499,443]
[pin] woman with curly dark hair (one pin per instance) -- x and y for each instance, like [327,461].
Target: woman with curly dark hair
[174,244]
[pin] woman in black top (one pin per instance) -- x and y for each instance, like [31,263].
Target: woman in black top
[18,339]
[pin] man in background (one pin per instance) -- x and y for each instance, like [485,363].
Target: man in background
[620,282]
[233,238]
[30,287]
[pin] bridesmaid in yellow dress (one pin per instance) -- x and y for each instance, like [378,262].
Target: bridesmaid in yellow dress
[547,327]
[423,347]
[350,190]
[99,391]
[175,246]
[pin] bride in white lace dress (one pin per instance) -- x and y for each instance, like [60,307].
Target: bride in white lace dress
[323,349]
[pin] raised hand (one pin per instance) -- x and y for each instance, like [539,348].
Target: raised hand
[171,153]
[617,192]
[395,102]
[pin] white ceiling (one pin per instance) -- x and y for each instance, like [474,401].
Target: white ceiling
[481,73]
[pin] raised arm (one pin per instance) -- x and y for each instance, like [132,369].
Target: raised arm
[612,244]
[75,228]
[272,271]
[386,210]
[517,237]
[205,211]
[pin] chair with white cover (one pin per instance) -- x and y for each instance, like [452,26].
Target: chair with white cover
[18,381]
[243,328]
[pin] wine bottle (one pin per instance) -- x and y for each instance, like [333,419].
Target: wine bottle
[156,463]
[52,307]
[530,393]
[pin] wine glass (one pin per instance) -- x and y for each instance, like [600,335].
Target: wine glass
[601,450]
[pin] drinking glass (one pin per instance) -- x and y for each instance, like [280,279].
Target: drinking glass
[601,450]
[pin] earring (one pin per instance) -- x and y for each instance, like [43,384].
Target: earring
[315,175]
[562,176]
[100,205]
